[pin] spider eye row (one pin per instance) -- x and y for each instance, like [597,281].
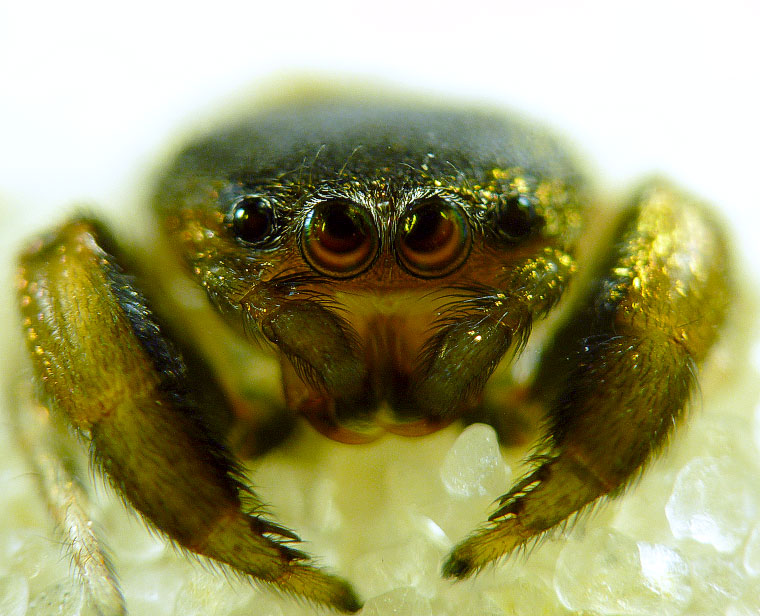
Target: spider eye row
[340,238]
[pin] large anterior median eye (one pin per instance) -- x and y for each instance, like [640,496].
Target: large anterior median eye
[433,238]
[339,238]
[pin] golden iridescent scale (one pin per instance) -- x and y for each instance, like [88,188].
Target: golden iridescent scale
[390,258]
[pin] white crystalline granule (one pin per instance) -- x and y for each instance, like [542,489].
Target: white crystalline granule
[752,553]
[474,465]
[152,587]
[63,599]
[14,595]
[204,594]
[664,571]
[713,502]
[399,602]
[321,505]
[742,610]
[526,596]
[718,579]
[127,537]
[609,573]
[412,563]
[33,554]
[747,605]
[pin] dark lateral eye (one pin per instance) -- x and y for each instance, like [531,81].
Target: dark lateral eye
[252,219]
[433,238]
[516,217]
[339,238]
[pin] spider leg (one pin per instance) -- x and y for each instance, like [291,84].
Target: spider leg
[620,373]
[67,501]
[106,366]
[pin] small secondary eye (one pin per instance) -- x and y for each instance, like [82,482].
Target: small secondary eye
[252,219]
[433,238]
[339,238]
[516,217]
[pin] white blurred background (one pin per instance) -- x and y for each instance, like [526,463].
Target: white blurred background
[90,90]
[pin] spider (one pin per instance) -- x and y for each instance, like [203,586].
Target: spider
[377,262]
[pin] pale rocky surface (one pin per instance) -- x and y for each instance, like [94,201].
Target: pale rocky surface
[684,541]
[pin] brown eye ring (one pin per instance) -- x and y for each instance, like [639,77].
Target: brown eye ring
[339,238]
[433,238]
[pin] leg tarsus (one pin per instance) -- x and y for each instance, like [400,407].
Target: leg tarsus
[315,585]
[537,504]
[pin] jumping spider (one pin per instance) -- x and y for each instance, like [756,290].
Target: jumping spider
[385,259]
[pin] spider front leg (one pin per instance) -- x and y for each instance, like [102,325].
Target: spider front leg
[106,367]
[620,373]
